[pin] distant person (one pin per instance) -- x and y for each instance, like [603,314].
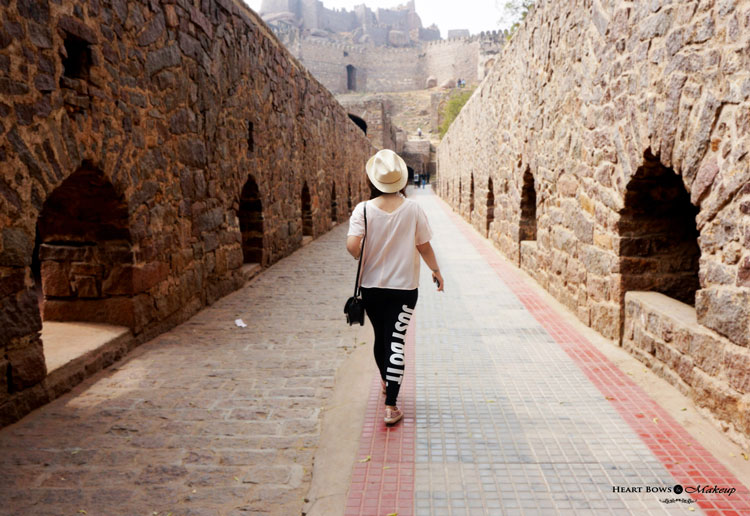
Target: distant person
[398,233]
[419,132]
[425,179]
[458,83]
[416,180]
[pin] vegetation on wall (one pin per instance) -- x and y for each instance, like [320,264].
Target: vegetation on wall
[452,107]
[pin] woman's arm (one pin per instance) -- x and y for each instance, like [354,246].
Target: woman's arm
[428,255]
[354,245]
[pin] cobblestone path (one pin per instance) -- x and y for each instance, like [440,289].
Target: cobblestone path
[206,419]
[515,413]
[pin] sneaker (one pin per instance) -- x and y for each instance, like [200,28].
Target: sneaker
[392,416]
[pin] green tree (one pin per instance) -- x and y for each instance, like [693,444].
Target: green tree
[452,108]
[513,13]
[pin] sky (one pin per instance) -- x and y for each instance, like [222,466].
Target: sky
[475,15]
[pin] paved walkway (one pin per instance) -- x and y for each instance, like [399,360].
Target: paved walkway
[514,412]
[206,419]
[509,410]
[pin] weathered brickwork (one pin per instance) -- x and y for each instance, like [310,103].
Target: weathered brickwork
[606,152]
[375,111]
[149,150]
[385,69]
[379,69]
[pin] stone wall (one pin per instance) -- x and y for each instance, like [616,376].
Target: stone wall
[452,59]
[664,334]
[606,152]
[150,150]
[375,111]
[377,69]
[380,69]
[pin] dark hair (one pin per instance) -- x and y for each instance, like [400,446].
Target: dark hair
[374,192]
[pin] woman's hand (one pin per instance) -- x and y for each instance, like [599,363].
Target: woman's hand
[438,278]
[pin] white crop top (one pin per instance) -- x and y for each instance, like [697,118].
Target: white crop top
[390,258]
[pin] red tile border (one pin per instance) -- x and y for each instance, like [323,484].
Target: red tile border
[689,463]
[384,484]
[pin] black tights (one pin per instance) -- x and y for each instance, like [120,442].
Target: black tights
[390,311]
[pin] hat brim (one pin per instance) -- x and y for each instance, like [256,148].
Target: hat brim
[388,187]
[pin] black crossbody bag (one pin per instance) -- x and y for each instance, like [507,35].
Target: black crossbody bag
[354,307]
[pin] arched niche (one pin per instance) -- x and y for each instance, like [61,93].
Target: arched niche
[658,245]
[527,226]
[359,121]
[83,261]
[490,205]
[250,216]
[306,210]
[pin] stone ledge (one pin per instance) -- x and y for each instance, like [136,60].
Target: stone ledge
[67,343]
[74,351]
[664,334]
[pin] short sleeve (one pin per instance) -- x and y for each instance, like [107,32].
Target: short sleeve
[423,232]
[357,221]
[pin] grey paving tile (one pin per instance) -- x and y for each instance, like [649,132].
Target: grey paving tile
[500,401]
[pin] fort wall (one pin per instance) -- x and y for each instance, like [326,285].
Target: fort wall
[149,151]
[607,152]
[376,68]
[383,69]
[452,59]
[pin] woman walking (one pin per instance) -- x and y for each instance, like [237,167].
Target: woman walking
[397,234]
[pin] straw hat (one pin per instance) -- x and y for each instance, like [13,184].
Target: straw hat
[387,171]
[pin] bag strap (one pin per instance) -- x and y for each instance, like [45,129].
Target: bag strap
[361,252]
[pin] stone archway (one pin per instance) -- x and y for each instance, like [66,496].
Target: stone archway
[351,78]
[527,226]
[460,194]
[471,197]
[490,206]
[250,216]
[359,121]
[83,259]
[334,206]
[658,245]
[348,198]
[306,208]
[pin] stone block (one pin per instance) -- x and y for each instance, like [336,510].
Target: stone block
[77,28]
[736,366]
[151,32]
[12,281]
[605,318]
[144,311]
[713,394]
[149,275]
[113,310]
[707,351]
[64,253]
[56,279]
[684,366]
[598,261]
[87,269]
[234,258]
[85,287]
[165,57]
[725,310]
[19,316]
[643,340]
[17,246]
[27,365]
